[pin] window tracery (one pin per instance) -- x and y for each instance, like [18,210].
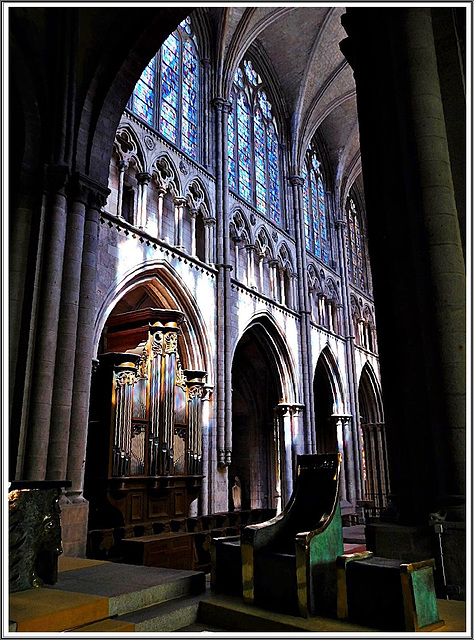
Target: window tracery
[314,209]
[355,261]
[166,96]
[252,144]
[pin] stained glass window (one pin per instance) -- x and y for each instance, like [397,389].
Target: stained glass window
[354,246]
[314,210]
[144,94]
[231,147]
[171,82]
[244,147]
[252,144]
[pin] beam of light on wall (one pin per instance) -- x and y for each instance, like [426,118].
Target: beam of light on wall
[129,255]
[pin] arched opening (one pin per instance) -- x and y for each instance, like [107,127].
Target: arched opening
[145,457]
[326,432]
[374,443]
[256,438]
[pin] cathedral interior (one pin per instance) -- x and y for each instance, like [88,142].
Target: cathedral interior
[238,235]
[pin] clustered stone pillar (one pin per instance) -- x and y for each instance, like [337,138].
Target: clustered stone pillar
[304,308]
[97,196]
[416,253]
[350,423]
[38,427]
[67,330]
[218,104]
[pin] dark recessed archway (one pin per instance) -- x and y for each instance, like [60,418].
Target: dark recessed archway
[256,391]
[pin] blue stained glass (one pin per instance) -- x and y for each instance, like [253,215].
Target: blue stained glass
[239,78]
[169,107]
[189,99]
[273,174]
[315,163]
[170,51]
[231,147]
[265,106]
[232,181]
[306,213]
[186,25]
[250,73]
[143,94]
[315,212]
[243,144]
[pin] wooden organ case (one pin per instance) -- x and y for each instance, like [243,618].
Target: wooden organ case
[144,459]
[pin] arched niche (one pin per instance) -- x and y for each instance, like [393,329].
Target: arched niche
[265,425]
[374,440]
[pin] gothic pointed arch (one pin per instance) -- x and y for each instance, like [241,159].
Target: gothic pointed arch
[128,147]
[264,414]
[375,469]
[165,287]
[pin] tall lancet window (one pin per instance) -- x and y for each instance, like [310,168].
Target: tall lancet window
[314,209]
[166,96]
[252,141]
[355,260]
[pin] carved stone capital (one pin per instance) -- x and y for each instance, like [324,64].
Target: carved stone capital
[143,177]
[180,201]
[83,189]
[296,181]
[221,104]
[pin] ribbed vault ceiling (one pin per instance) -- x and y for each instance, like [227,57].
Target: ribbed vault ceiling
[314,81]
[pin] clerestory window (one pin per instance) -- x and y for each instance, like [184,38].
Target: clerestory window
[254,164]
[314,209]
[166,96]
[355,260]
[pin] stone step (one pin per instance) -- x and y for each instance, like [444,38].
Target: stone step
[110,625]
[167,616]
[131,587]
[230,613]
[49,610]
[87,595]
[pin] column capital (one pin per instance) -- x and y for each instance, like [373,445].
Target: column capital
[340,223]
[83,189]
[296,181]
[221,104]
[122,165]
[209,222]
[143,177]
[180,201]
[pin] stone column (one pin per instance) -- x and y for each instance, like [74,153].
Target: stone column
[161,196]
[42,379]
[354,471]
[143,182]
[226,109]
[281,273]
[209,226]
[85,347]
[206,445]
[250,265]
[284,415]
[305,311]
[416,253]
[193,213]
[78,189]
[122,165]
[179,204]
[220,231]
[236,254]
